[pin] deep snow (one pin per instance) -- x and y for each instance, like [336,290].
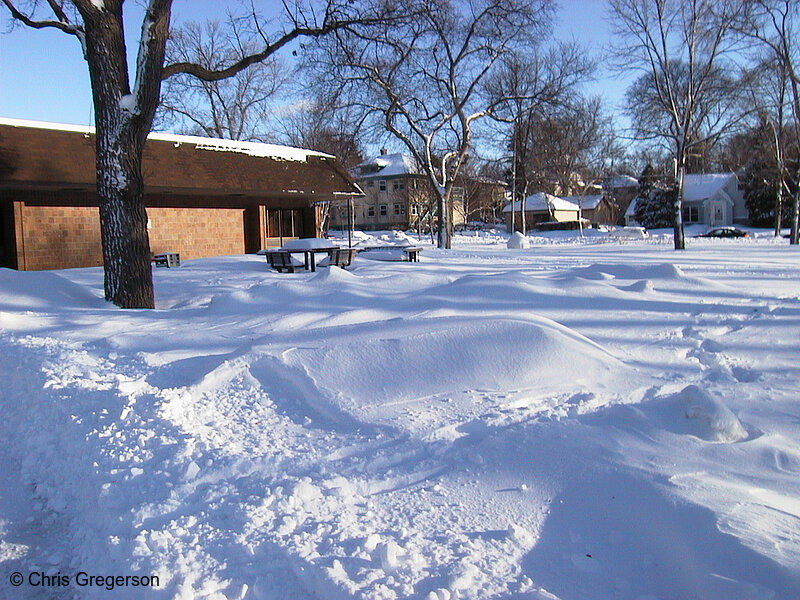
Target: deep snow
[581,420]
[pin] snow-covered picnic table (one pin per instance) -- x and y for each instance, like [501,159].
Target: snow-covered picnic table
[308,247]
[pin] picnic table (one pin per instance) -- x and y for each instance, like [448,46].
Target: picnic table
[280,258]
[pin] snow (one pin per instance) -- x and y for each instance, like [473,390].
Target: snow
[542,201]
[581,418]
[127,103]
[588,202]
[387,165]
[701,187]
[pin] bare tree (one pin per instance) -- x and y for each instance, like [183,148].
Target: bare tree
[424,81]
[525,87]
[773,24]
[236,108]
[679,45]
[124,110]
[320,125]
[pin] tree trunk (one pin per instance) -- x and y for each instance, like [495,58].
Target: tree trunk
[794,238]
[123,120]
[779,208]
[126,246]
[441,233]
[680,242]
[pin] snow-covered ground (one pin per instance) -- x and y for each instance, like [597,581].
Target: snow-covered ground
[580,420]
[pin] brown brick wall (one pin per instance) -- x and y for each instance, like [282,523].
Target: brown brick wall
[58,237]
[197,232]
[62,237]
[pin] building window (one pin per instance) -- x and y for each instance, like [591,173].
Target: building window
[384,210]
[414,210]
[397,209]
[382,185]
[401,185]
[691,214]
[371,211]
[282,223]
[395,185]
[370,183]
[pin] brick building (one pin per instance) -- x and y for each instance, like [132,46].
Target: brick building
[204,197]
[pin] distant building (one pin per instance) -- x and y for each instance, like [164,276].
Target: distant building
[712,199]
[541,208]
[596,208]
[398,195]
[204,197]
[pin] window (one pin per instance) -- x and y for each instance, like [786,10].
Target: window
[395,185]
[284,223]
[397,209]
[371,211]
[382,185]
[414,210]
[370,183]
[401,185]
[384,210]
[691,214]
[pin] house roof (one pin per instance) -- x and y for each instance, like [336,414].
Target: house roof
[37,155]
[541,202]
[386,165]
[622,181]
[699,187]
[589,202]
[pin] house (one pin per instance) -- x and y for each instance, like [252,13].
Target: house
[542,208]
[397,195]
[620,191]
[484,198]
[596,208]
[712,199]
[204,197]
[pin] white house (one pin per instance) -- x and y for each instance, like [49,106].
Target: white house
[712,199]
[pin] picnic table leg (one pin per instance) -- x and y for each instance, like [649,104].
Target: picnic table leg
[305,256]
[313,262]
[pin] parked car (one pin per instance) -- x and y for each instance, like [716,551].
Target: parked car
[724,232]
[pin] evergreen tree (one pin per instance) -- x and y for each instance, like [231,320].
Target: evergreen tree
[655,201]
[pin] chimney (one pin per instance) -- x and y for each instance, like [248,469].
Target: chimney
[384,152]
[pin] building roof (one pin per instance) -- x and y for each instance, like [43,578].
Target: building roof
[386,165]
[699,187]
[622,181]
[541,202]
[38,155]
[589,202]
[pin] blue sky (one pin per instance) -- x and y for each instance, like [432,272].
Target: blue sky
[43,75]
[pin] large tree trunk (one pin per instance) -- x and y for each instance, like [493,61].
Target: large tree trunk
[123,119]
[123,223]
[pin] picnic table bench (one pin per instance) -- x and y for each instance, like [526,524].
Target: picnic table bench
[342,257]
[404,253]
[280,260]
[167,259]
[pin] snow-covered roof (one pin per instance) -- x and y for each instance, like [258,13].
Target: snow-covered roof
[274,151]
[623,181]
[631,207]
[542,201]
[699,187]
[589,202]
[387,165]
